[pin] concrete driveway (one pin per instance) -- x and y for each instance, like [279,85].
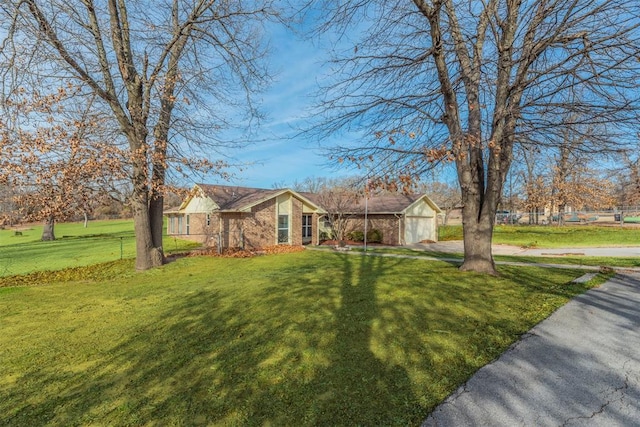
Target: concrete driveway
[579,367]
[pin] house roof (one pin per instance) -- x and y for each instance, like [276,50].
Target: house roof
[390,203]
[229,198]
[234,198]
[380,204]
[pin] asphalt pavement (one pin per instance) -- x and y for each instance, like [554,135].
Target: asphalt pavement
[579,367]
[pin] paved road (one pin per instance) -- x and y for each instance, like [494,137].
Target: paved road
[579,367]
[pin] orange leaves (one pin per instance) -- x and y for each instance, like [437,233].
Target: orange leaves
[281,249]
[55,163]
[440,153]
[244,253]
[405,182]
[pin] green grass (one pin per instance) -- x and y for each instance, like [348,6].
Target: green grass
[554,236]
[564,260]
[75,245]
[312,338]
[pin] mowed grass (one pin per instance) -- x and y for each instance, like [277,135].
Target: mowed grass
[99,242]
[594,261]
[554,236]
[311,338]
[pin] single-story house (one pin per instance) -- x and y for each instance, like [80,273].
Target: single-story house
[230,216]
[239,217]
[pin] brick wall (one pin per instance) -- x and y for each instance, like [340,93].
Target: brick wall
[198,229]
[253,229]
[296,222]
[387,224]
[232,230]
[259,226]
[315,239]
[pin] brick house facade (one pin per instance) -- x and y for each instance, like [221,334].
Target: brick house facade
[401,218]
[242,217]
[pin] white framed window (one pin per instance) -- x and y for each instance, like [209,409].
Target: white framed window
[283,228]
[208,220]
[187,224]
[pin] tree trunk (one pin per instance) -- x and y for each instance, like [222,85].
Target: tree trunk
[477,235]
[156,220]
[47,231]
[147,255]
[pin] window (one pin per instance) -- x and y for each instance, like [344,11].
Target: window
[172,225]
[306,226]
[283,228]
[180,224]
[208,220]
[187,225]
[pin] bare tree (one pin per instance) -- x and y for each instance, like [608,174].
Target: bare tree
[153,66]
[8,212]
[445,194]
[465,81]
[629,180]
[339,197]
[340,204]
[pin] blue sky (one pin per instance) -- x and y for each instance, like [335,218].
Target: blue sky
[282,157]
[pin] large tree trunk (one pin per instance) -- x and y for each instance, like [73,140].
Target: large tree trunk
[147,254]
[156,220]
[47,231]
[477,234]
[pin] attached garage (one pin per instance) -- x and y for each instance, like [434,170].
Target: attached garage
[417,229]
[420,221]
[401,219]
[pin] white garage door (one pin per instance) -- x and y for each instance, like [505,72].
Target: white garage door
[417,229]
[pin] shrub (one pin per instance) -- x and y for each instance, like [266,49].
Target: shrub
[374,236]
[356,236]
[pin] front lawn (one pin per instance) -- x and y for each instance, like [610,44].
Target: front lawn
[554,236]
[311,338]
[100,241]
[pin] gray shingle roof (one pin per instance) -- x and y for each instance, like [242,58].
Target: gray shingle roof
[386,203]
[234,198]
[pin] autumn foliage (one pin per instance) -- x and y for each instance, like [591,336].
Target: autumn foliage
[53,156]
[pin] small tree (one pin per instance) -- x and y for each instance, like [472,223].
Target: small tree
[537,197]
[58,167]
[341,203]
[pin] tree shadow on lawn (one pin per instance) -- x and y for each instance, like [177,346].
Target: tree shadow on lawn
[335,344]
